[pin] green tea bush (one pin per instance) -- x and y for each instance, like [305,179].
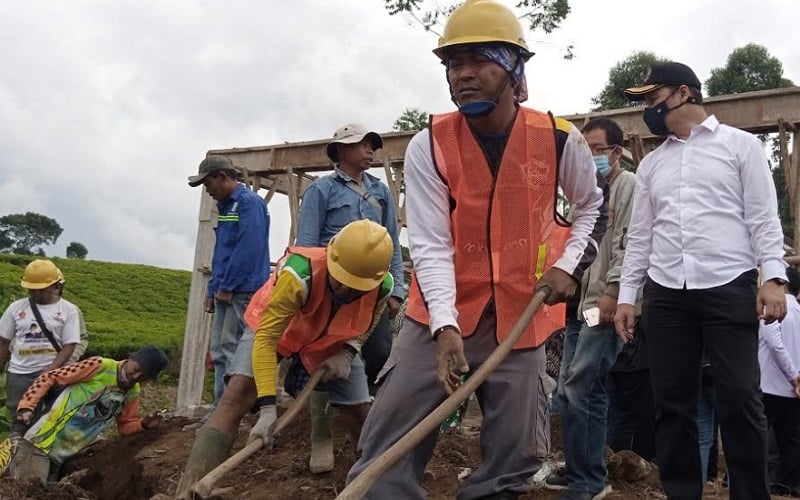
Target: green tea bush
[125,305]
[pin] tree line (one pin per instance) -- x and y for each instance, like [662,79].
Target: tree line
[27,233]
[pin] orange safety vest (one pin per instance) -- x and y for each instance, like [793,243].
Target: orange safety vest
[314,333]
[504,228]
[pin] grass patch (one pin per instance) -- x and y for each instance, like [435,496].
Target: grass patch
[125,305]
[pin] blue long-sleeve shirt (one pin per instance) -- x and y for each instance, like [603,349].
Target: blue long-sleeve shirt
[241,254]
[328,205]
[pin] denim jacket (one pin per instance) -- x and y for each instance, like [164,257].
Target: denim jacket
[328,205]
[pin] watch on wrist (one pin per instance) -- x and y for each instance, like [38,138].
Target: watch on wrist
[435,334]
[779,281]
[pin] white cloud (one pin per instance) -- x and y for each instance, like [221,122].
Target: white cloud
[107,107]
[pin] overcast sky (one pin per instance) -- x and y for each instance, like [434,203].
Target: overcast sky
[107,106]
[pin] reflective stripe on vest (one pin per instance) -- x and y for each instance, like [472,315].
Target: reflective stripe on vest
[504,231]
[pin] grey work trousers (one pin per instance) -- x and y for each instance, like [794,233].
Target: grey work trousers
[513,433]
[30,463]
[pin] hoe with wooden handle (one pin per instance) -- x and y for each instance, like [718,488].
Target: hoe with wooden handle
[359,487]
[204,486]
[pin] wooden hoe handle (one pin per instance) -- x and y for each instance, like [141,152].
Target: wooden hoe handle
[204,486]
[359,487]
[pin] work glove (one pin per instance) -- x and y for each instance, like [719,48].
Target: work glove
[337,366]
[263,428]
[22,422]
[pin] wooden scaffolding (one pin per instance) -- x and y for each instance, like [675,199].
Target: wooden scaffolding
[289,168]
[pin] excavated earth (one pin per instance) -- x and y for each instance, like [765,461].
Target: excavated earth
[149,465]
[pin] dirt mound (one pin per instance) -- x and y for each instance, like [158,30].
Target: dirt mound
[151,463]
[23,489]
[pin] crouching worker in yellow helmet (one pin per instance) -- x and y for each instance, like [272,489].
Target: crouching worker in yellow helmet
[318,309]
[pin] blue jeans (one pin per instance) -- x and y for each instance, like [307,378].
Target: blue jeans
[705,423]
[589,354]
[225,335]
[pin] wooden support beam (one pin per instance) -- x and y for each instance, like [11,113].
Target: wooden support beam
[287,168]
[198,323]
[789,174]
[756,112]
[271,192]
[294,204]
[795,167]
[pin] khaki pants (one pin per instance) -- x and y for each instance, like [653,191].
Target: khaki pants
[514,429]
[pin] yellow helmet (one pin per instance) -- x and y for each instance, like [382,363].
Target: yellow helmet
[359,255]
[482,21]
[40,274]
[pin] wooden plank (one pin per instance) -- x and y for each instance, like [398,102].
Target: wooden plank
[795,166]
[198,322]
[788,171]
[754,111]
[294,205]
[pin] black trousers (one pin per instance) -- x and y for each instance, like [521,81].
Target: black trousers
[376,349]
[630,413]
[681,324]
[783,416]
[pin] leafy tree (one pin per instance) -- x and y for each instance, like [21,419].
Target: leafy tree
[629,72]
[748,68]
[412,119]
[26,233]
[544,15]
[76,250]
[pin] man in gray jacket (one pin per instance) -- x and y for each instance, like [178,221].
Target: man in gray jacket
[591,344]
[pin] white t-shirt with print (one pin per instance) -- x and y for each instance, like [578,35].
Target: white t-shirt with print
[32,351]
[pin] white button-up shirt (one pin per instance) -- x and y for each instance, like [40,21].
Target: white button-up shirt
[704,212]
[779,352]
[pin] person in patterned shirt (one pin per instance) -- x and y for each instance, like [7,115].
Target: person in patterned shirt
[97,391]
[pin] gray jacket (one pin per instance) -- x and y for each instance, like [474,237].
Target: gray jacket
[603,276]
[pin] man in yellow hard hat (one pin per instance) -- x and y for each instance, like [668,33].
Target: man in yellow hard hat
[484,233]
[331,202]
[44,326]
[317,310]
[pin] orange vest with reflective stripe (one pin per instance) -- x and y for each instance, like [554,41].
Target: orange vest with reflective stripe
[316,332]
[505,234]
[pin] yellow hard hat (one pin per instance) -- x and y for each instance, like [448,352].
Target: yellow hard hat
[359,255]
[482,21]
[40,274]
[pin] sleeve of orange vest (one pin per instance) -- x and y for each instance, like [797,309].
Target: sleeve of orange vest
[587,193]
[288,296]
[66,375]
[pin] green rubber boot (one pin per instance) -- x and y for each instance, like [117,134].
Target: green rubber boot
[211,448]
[321,437]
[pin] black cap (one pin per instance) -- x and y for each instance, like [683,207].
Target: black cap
[659,75]
[213,163]
[152,360]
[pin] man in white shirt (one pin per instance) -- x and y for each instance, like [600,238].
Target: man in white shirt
[34,352]
[779,357]
[704,218]
[483,233]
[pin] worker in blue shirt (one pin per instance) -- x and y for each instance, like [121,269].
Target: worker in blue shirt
[241,258]
[330,203]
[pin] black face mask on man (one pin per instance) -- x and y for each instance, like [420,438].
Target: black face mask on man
[655,117]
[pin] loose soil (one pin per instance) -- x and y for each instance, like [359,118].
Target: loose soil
[150,463]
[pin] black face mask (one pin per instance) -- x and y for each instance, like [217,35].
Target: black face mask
[336,298]
[655,117]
